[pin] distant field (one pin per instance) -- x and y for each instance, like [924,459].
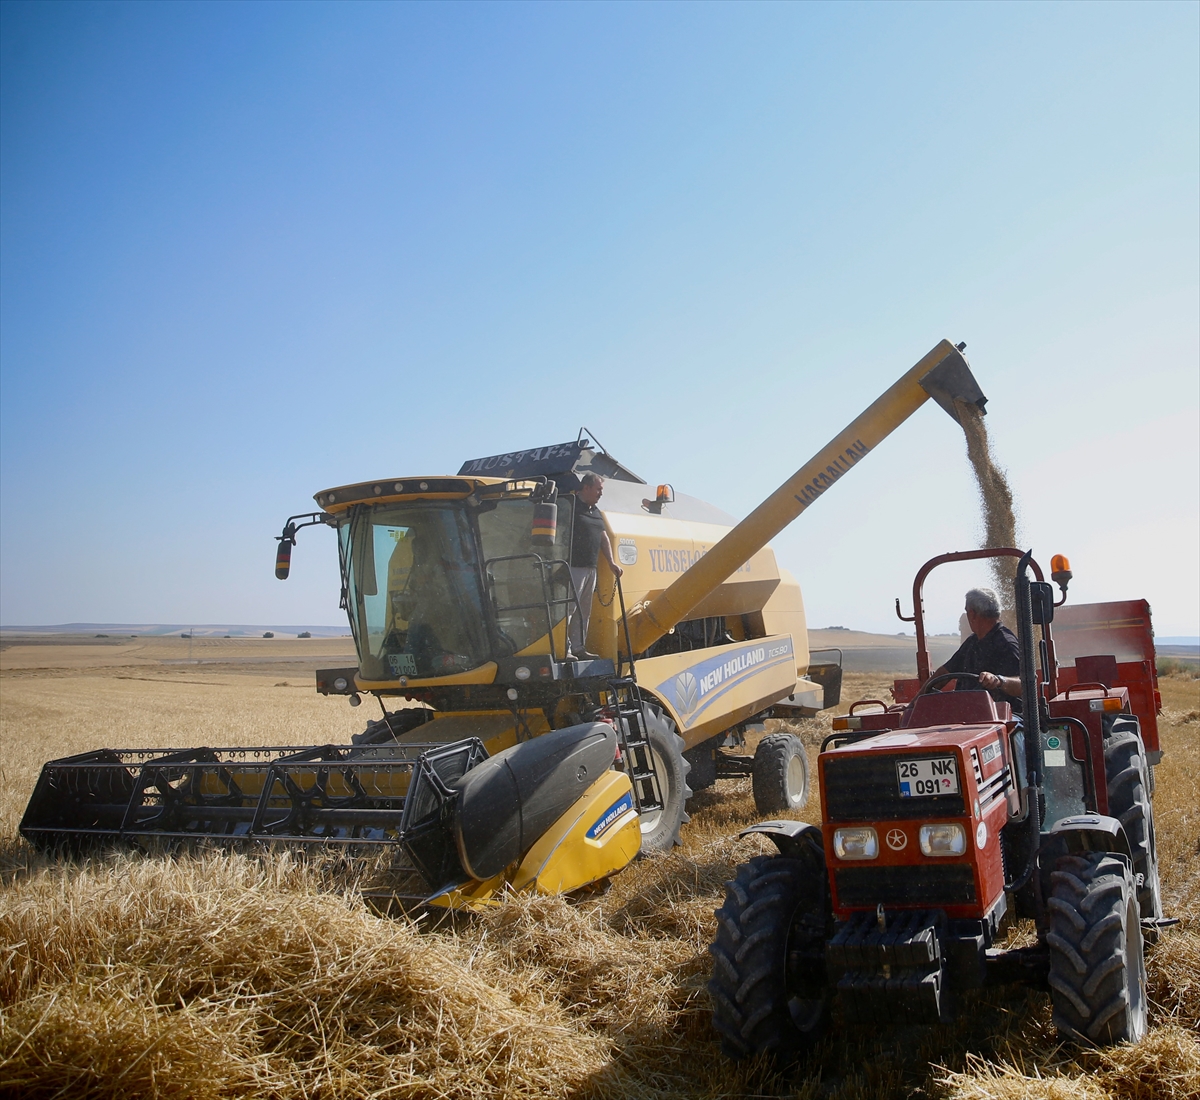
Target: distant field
[215,976]
[864,652]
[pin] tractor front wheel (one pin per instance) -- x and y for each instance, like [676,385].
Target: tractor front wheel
[1097,967]
[769,988]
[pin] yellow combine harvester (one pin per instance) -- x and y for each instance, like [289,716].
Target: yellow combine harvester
[510,761]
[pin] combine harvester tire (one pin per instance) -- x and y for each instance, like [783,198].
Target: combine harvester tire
[780,776]
[660,828]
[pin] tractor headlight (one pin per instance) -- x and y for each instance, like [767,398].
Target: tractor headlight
[943,840]
[862,843]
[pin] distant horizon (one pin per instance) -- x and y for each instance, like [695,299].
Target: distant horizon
[162,630]
[328,631]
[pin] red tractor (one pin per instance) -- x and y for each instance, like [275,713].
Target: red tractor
[942,814]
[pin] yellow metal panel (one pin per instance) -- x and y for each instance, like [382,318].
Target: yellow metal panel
[784,614]
[474,895]
[708,690]
[484,674]
[666,548]
[598,836]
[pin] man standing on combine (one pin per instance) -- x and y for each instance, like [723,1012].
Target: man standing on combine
[991,652]
[589,539]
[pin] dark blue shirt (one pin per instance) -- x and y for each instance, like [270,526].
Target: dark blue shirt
[587,535]
[997,652]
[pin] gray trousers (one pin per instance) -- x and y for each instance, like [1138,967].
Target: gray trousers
[577,625]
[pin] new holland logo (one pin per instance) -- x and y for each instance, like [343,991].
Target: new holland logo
[687,693]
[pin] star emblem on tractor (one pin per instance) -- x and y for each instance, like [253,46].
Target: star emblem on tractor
[897,839]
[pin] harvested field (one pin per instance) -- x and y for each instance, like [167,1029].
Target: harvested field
[216,975]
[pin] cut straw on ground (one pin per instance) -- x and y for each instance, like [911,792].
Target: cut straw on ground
[227,975]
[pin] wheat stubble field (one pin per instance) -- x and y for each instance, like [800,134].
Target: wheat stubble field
[215,975]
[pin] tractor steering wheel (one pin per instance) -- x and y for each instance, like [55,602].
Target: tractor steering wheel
[933,682]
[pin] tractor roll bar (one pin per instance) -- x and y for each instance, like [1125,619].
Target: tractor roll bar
[918,615]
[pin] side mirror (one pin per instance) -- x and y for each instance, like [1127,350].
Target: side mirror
[545,524]
[545,517]
[1041,602]
[283,558]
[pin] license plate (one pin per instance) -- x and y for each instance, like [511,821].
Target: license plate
[922,778]
[403,664]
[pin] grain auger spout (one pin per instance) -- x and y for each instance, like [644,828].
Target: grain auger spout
[943,374]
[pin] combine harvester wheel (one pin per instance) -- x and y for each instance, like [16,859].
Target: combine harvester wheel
[660,828]
[780,776]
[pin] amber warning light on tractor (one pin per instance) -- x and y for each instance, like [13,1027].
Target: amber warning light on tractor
[1060,571]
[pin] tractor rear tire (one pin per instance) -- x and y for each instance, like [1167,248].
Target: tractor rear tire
[660,828]
[1097,964]
[1128,777]
[780,775]
[769,989]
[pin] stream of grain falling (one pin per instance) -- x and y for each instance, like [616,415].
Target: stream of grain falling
[999,520]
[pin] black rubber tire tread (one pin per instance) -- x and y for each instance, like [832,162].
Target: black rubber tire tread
[1097,965]
[775,904]
[703,772]
[669,747]
[769,778]
[392,725]
[1128,779]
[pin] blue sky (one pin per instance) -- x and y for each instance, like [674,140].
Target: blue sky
[248,252]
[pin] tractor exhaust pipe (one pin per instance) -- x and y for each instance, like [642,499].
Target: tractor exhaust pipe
[944,374]
[1031,718]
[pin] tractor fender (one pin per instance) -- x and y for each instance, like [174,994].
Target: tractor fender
[791,837]
[1093,833]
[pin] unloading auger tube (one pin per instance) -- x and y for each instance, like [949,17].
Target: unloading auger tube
[944,374]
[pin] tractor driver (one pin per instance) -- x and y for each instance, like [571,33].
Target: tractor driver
[589,539]
[991,652]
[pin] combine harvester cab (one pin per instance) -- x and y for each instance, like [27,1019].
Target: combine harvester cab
[459,591]
[942,814]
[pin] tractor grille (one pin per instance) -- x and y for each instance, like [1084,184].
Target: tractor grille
[926,885]
[865,788]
